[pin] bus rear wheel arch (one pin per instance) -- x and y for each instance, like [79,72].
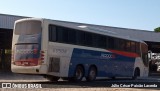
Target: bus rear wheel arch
[136,73]
[92,73]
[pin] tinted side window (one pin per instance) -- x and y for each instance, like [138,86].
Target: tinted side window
[133,47]
[88,39]
[101,41]
[122,44]
[62,36]
[116,43]
[111,43]
[95,40]
[52,33]
[138,48]
[72,36]
[80,38]
[128,46]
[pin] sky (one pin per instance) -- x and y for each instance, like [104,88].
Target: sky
[134,14]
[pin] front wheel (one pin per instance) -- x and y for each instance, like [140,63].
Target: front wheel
[92,74]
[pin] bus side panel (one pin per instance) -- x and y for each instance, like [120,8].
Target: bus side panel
[62,53]
[108,64]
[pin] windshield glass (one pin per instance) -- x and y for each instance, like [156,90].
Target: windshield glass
[28,27]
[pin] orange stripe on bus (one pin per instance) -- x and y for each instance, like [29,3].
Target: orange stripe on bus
[128,54]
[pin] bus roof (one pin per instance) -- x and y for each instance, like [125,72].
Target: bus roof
[83,27]
[87,28]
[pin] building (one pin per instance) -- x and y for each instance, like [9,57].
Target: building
[7,25]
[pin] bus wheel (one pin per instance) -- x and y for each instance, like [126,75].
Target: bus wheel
[136,74]
[92,74]
[78,74]
[52,78]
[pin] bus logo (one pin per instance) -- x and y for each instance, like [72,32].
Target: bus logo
[63,51]
[108,56]
[27,51]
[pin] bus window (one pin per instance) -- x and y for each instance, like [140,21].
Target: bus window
[95,40]
[138,48]
[52,33]
[28,27]
[110,42]
[80,37]
[71,36]
[128,46]
[88,39]
[62,34]
[133,47]
[101,41]
[116,43]
[121,44]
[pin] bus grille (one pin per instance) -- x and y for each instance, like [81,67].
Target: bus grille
[54,64]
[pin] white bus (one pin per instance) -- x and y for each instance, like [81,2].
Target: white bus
[57,50]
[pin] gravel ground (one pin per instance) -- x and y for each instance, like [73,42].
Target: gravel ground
[10,77]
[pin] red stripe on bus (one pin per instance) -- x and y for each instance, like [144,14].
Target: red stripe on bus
[127,54]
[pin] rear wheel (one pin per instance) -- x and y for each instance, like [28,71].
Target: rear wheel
[92,74]
[52,78]
[78,74]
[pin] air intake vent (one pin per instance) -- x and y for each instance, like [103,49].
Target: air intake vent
[54,64]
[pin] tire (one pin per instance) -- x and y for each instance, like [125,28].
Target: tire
[78,74]
[52,78]
[136,74]
[92,73]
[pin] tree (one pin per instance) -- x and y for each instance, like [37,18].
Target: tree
[157,29]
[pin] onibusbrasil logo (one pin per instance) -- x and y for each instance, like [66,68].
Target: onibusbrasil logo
[20,85]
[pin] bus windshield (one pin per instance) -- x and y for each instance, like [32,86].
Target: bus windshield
[28,27]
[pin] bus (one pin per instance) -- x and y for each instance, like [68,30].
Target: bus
[75,51]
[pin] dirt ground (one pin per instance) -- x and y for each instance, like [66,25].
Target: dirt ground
[24,78]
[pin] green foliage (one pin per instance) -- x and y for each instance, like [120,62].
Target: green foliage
[157,29]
